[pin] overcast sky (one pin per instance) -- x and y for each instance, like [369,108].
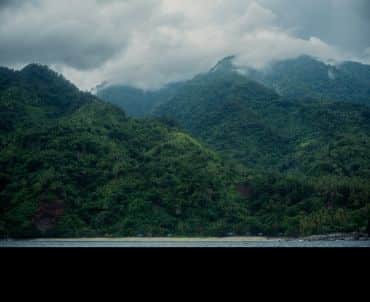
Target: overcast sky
[147,43]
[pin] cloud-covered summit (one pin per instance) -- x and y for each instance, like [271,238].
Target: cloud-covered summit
[147,43]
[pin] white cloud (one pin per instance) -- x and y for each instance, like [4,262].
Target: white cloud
[147,42]
[366,55]
[275,45]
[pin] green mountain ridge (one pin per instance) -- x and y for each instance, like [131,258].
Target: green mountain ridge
[137,102]
[250,123]
[306,76]
[92,171]
[211,106]
[247,162]
[304,155]
[301,78]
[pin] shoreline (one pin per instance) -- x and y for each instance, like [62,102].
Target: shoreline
[325,237]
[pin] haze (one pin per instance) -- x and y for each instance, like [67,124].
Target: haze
[147,43]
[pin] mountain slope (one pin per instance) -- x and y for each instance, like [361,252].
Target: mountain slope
[72,165]
[308,160]
[252,124]
[218,108]
[307,77]
[137,102]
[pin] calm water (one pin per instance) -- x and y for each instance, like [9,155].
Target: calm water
[182,243]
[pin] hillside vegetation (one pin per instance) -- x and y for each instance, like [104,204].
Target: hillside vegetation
[308,159]
[308,77]
[72,165]
[222,155]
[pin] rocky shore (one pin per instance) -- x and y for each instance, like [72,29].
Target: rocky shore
[338,236]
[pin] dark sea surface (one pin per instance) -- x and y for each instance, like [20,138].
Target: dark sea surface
[188,242]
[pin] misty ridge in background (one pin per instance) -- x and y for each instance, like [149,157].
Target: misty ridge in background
[148,43]
[273,139]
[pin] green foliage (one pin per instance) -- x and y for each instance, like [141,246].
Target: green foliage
[72,165]
[299,151]
[137,102]
[308,77]
[85,169]
[296,205]
[249,123]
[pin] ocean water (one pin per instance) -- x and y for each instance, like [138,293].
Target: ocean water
[190,243]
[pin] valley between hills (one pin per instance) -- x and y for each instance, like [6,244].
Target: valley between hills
[278,153]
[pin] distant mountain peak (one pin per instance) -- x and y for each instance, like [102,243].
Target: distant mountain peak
[301,59]
[314,77]
[38,69]
[226,64]
[43,75]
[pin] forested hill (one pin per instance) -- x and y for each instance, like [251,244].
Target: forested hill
[308,77]
[300,78]
[305,156]
[72,165]
[137,102]
[249,123]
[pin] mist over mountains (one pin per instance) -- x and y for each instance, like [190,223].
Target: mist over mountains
[301,77]
[210,118]
[149,43]
[219,154]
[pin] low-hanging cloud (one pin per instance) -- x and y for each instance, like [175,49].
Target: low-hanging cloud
[148,43]
[344,23]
